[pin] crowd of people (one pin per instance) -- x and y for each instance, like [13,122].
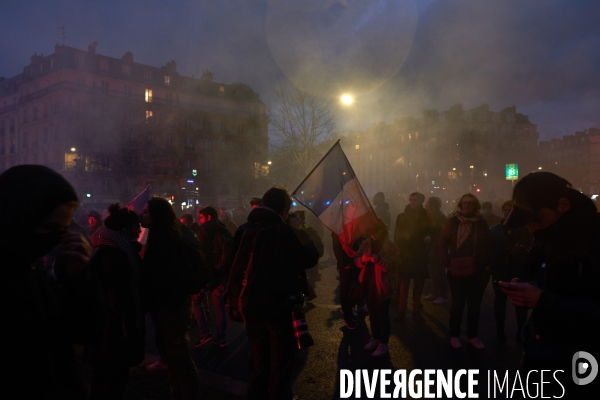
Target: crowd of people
[65,284]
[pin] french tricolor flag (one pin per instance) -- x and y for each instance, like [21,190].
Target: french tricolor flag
[333,193]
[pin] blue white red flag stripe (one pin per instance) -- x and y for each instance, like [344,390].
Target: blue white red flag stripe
[333,193]
[138,203]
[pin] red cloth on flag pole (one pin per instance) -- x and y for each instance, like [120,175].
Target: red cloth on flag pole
[332,192]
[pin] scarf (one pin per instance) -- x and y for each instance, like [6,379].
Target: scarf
[465,227]
[110,238]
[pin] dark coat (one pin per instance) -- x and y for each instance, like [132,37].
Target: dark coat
[511,249]
[123,340]
[485,244]
[412,226]
[208,248]
[382,210]
[278,257]
[42,316]
[166,271]
[566,257]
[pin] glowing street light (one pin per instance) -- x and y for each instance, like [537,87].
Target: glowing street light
[347,99]
[73,149]
[269,162]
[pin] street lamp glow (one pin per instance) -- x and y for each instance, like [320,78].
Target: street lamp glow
[269,162]
[347,99]
[539,167]
[73,149]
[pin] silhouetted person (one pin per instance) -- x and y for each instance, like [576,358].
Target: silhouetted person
[437,271]
[565,267]
[378,259]
[412,236]
[465,248]
[166,278]
[382,209]
[43,316]
[488,214]
[277,256]
[118,266]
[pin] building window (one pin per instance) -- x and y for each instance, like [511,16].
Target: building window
[104,86]
[169,98]
[148,96]
[45,135]
[35,113]
[206,125]
[104,65]
[25,116]
[222,89]
[496,117]
[170,141]
[148,116]
[240,129]
[510,118]
[167,80]
[106,186]
[223,126]
[147,74]
[126,69]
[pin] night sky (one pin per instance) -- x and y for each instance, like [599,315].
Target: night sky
[398,57]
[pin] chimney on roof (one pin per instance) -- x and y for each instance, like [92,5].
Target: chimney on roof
[92,47]
[207,76]
[127,57]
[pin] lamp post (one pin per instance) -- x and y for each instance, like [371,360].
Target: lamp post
[348,100]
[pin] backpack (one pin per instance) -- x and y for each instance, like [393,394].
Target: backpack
[199,273]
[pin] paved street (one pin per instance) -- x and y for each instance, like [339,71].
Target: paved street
[415,343]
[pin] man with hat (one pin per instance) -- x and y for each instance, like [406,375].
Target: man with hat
[565,270]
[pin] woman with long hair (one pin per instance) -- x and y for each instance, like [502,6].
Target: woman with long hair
[166,288]
[465,247]
[378,258]
[117,264]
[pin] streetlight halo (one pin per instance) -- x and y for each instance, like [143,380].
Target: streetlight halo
[347,99]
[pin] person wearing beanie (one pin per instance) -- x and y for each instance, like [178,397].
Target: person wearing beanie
[43,315]
[226,217]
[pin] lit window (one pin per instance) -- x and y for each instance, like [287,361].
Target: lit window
[148,95]
[167,80]
[221,89]
[148,116]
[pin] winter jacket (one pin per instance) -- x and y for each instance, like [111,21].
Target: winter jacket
[166,271]
[123,335]
[511,249]
[567,315]
[210,248]
[384,270]
[278,257]
[382,210]
[485,244]
[412,226]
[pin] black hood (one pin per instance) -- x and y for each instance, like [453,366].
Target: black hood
[28,193]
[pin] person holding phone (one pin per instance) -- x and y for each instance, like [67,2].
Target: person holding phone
[565,260]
